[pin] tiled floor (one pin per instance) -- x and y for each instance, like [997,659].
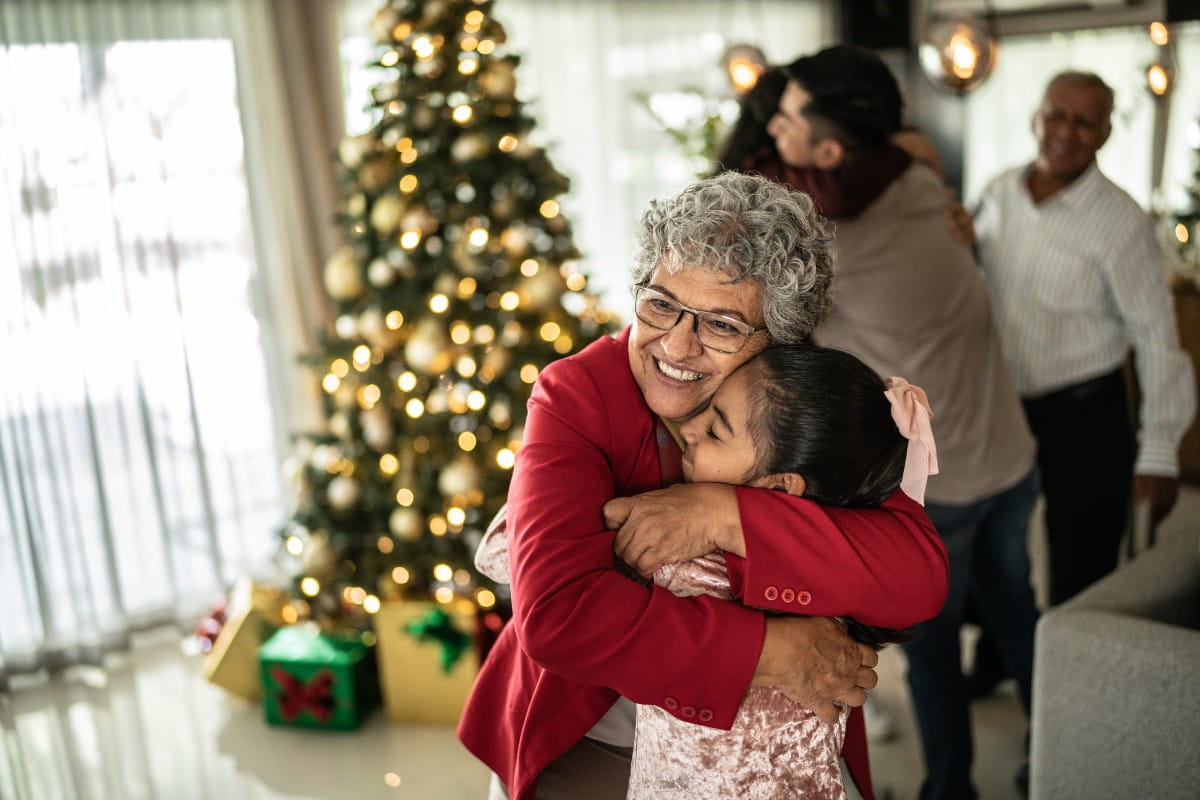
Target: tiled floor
[150,727]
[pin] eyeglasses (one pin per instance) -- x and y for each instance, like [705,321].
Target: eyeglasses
[717,332]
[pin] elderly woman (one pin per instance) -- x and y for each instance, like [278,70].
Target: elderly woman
[728,266]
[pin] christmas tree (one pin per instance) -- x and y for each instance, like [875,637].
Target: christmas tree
[457,281]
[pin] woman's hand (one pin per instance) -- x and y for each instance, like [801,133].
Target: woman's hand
[681,522]
[815,663]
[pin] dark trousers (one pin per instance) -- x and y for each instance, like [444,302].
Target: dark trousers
[986,548]
[1086,452]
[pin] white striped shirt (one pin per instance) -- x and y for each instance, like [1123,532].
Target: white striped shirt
[1074,283]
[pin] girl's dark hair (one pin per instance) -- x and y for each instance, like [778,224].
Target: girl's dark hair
[823,414]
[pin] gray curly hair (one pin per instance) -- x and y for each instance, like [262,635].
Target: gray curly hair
[751,229]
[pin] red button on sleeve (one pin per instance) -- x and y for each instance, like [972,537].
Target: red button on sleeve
[787,595]
[804,598]
[771,593]
[670,704]
[687,712]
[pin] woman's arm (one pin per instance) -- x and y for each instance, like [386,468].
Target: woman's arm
[883,566]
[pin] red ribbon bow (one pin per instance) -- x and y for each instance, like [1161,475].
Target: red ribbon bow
[295,697]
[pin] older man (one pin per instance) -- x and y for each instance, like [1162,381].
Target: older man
[1076,279]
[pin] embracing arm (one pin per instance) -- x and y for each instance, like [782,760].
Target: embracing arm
[883,566]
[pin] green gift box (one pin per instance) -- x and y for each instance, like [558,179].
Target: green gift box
[317,680]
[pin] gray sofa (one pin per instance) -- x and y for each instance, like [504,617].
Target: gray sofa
[1116,689]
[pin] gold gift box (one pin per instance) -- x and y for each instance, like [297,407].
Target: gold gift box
[415,689]
[253,615]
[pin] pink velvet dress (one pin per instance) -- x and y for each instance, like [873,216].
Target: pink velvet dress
[775,750]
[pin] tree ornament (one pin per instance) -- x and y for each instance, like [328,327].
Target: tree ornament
[324,456]
[542,290]
[343,492]
[339,426]
[404,523]
[375,174]
[353,149]
[516,239]
[459,477]
[346,326]
[499,81]
[377,428]
[428,350]
[387,213]
[380,273]
[419,219]
[343,276]
[383,23]
[318,559]
[469,147]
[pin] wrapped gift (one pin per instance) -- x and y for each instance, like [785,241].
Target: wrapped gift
[427,660]
[251,615]
[317,680]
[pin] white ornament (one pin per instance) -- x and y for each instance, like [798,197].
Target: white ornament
[343,492]
[372,327]
[468,147]
[459,477]
[377,428]
[346,326]
[380,273]
[339,425]
[324,456]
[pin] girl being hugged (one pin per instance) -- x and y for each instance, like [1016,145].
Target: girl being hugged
[817,423]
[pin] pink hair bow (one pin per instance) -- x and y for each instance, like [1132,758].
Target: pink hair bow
[910,410]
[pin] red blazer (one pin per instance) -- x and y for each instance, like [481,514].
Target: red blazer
[582,633]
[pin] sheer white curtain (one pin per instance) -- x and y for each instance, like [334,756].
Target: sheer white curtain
[141,426]
[998,114]
[583,63]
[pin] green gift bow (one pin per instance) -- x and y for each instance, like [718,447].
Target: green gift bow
[436,626]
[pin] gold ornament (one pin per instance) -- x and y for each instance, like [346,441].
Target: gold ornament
[460,476]
[499,80]
[383,23]
[419,219]
[541,290]
[343,278]
[377,427]
[339,426]
[405,523]
[428,350]
[387,213]
[375,174]
[353,149]
[516,238]
[318,559]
